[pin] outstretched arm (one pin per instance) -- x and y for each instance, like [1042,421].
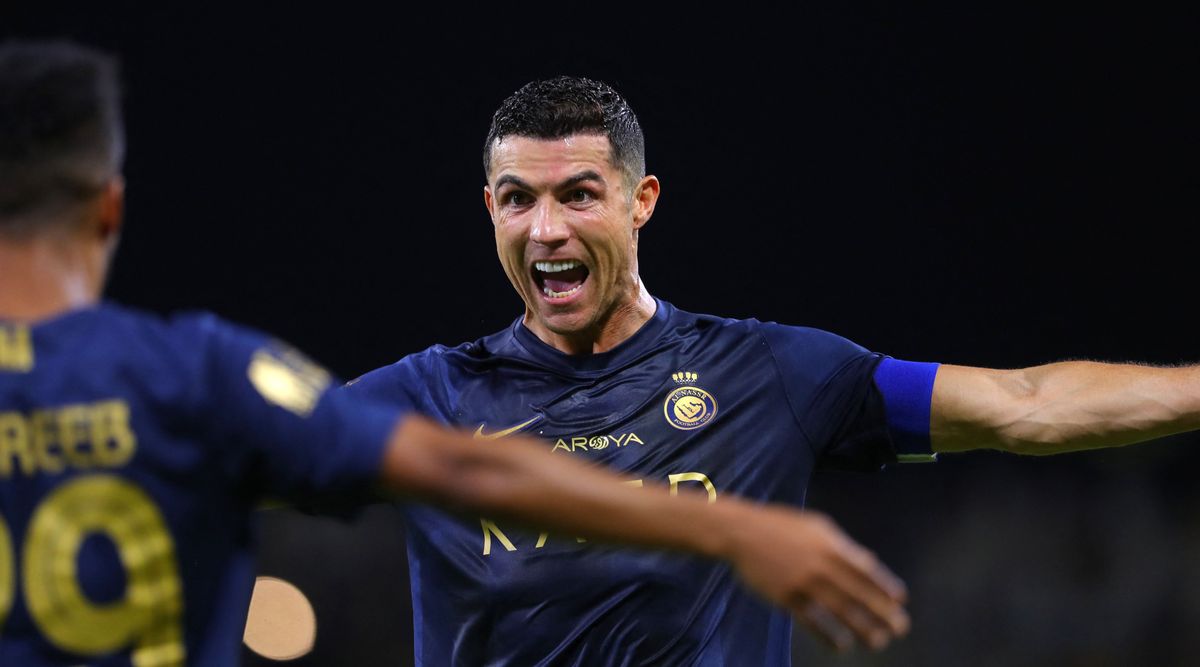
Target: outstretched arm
[798,560]
[1061,407]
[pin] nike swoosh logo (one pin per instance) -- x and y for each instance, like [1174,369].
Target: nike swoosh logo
[508,431]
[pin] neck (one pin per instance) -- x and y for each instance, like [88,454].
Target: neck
[44,277]
[615,328]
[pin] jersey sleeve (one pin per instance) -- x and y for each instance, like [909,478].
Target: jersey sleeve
[849,418]
[415,383]
[279,421]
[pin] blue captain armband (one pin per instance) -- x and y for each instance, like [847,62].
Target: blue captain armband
[907,388]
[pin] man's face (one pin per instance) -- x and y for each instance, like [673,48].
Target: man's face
[566,226]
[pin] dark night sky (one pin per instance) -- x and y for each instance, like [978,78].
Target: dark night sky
[992,187]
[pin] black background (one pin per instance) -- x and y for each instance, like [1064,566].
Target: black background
[984,186]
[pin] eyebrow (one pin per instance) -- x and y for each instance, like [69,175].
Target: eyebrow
[512,180]
[586,175]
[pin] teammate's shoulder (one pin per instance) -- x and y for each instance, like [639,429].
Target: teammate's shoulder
[199,335]
[131,325]
[140,318]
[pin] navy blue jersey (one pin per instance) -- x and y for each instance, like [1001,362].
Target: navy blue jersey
[132,453]
[694,403]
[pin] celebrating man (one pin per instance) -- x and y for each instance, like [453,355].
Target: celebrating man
[605,372]
[133,449]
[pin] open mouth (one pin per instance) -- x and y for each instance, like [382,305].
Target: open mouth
[559,279]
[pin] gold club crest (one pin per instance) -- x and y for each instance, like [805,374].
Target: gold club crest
[689,407]
[285,377]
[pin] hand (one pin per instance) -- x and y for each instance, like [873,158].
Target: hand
[803,562]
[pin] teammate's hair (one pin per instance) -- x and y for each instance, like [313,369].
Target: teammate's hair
[61,137]
[567,105]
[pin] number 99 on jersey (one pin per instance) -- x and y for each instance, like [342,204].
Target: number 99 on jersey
[147,619]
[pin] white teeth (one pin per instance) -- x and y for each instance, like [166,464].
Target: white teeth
[555,267]
[558,295]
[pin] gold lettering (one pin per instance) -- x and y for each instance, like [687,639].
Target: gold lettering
[45,442]
[593,442]
[16,349]
[113,442]
[693,477]
[7,572]
[490,527]
[73,435]
[542,537]
[14,443]
[79,436]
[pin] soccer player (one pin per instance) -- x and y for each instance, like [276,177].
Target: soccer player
[606,372]
[133,449]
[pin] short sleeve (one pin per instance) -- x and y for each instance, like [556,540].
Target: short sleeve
[279,421]
[830,386]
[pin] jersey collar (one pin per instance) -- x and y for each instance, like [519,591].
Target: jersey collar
[629,350]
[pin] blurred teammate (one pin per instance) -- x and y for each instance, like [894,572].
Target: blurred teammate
[610,374]
[133,449]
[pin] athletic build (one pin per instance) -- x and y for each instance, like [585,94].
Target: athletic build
[133,449]
[602,370]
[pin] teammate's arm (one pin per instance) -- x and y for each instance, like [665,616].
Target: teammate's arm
[798,560]
[281,422]
[1061,407]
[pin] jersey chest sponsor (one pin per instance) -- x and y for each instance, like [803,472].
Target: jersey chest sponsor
[686,407]
[493,534]
[596,442]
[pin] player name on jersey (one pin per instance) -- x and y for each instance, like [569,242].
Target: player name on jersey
[83,436]
[16,350]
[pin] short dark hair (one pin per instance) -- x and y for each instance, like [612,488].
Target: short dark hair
[61,137]
[567,105]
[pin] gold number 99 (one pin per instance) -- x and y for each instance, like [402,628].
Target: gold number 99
[148,618]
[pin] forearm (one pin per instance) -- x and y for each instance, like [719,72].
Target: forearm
[517,478]
[798,560]
[1062,407]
